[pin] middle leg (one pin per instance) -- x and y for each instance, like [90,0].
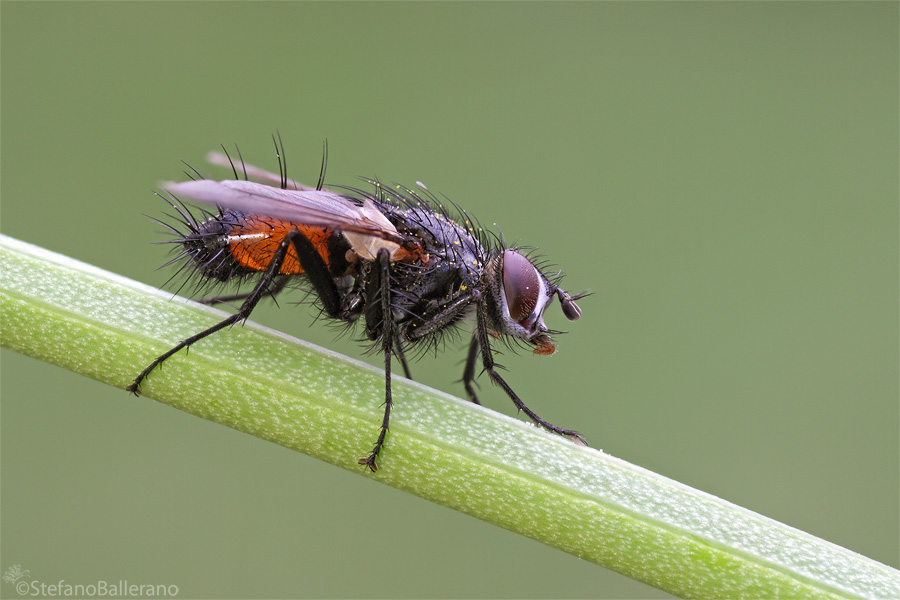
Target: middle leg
[380,289]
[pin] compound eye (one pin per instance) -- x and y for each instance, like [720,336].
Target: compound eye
[521,284]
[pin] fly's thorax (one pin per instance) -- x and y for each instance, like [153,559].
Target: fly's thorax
[449,245]
[451,265]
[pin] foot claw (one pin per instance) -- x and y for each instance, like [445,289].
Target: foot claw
[369,461]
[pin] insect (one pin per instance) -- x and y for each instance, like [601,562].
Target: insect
[394,258]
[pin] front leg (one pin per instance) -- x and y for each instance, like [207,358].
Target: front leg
[487,359]
[469,370]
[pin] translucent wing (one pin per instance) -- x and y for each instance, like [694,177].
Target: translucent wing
[367,229]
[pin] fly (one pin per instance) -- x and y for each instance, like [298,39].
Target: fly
[393,257]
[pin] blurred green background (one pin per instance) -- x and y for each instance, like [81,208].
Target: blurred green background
[724,177]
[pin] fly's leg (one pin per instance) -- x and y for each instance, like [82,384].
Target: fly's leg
[313,265]
[378,316]
[443,317]
[274,290]
[469,371]
[398,350]
[446,315]
[487,358]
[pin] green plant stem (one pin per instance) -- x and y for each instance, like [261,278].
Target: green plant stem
[493,467]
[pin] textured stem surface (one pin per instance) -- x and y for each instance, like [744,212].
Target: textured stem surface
[496,468]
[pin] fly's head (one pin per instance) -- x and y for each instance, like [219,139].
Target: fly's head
[517,294]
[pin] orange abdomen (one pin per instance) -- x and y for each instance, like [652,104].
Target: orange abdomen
[254,241]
